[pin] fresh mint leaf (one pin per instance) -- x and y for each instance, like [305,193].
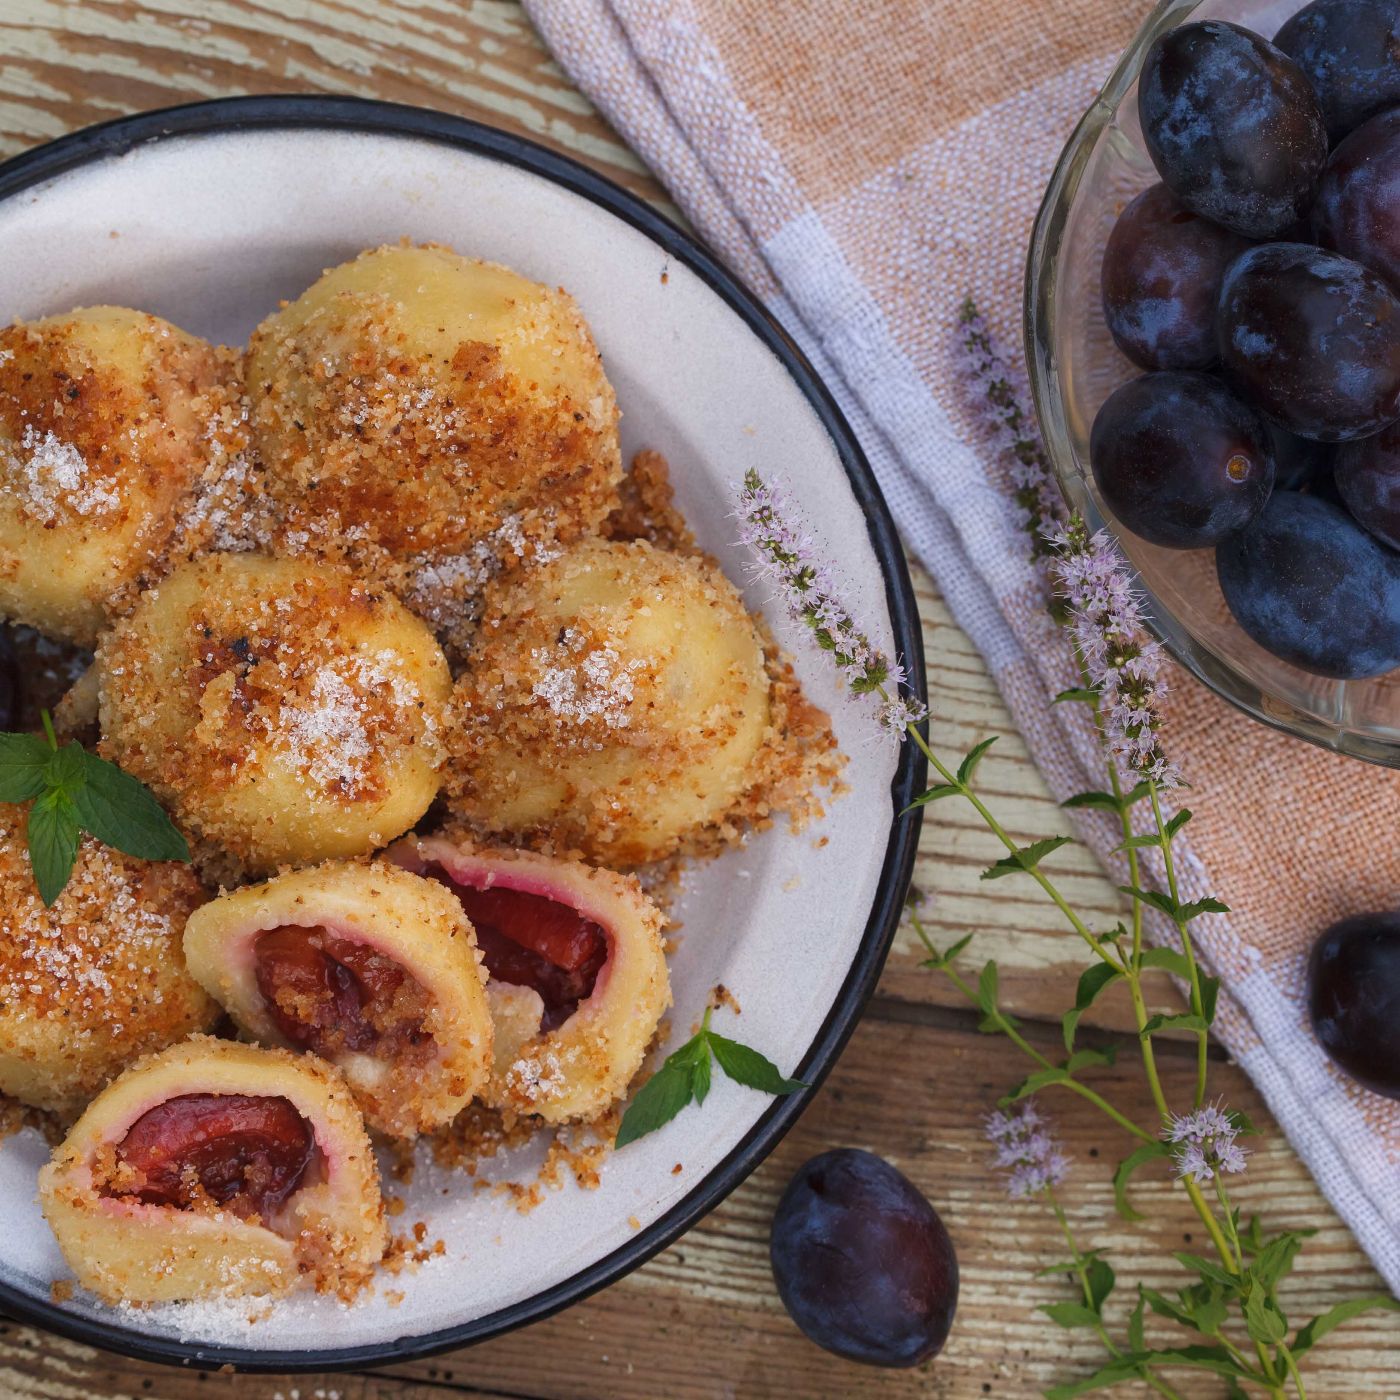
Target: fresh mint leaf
[949,955]
[1311,1333]
[53,843]
[1033,1083]
[1263,1320]
[1101,1280]
[1137,1331]
[1104,801]
[23,761]
[1070,1314]
[1087,1058]
[686,1078]
[121,811]
[1083,695]
[1092,981]
[1188,1021]
[745,1065]
[974,756]
[1210,993]
[1148,1152]
[1169,960]
[661,1098]
[1025,858]
[1208,905]
[933,794]
[1155,898]
[1139,843]
[1213,1273]
[987,988]
[700,1073]
[1204,1305]
[65,769]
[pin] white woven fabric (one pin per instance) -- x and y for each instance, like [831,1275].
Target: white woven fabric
[846,163]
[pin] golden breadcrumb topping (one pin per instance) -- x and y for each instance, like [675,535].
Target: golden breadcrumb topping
[268,673]
[98,978]
[115,431]
[621,702]
[430,458]
[646,508]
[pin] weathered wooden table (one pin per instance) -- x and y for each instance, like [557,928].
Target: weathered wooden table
[702,1319]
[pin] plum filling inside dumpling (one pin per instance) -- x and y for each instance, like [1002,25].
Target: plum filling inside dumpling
[241,1152]
[530,940]
[576,971]
[333,995]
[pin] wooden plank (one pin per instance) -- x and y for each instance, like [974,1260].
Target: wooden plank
[703,1320]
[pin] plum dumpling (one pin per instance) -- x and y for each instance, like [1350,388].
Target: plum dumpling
[284,711]
[433,417]
[110,420]
[367,966]
[215,1169]
[613,703]
[578,980]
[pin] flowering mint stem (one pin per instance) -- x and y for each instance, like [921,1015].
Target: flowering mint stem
[1081,1267]
[1074,1085]
[1197,1003]
[997,830]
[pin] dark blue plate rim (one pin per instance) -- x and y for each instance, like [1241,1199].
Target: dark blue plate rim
[233,114]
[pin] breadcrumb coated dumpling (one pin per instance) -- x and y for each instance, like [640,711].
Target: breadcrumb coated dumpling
[434,417]
[613,702]
[281,709]
[97,979]
[110,420]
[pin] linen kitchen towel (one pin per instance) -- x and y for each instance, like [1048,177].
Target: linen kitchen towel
[864,168]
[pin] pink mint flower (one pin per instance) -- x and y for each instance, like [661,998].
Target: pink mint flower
[1204,1143]
[994,393]
[769,525]
[1025,1150]
[1123,663]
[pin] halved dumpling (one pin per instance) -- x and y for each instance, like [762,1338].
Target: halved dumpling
[368,966]
[578,974]
[217,1169]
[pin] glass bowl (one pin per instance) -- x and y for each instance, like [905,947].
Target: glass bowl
[1074,365]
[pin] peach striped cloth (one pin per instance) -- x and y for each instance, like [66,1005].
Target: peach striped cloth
[864,168]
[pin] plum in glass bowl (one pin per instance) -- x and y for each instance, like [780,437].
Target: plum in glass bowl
[1076,365]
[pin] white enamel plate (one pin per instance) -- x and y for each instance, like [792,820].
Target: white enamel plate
[208,215]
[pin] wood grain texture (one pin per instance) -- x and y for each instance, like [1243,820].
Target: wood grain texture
[702,1320]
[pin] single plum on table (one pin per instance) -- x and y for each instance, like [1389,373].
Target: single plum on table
[1160,279]
[1368,481]
[1232,125]
[1313,339]
[1307,583]
[1180,460]
[862,1261]
[1354,998]
[1350,50]
[1357,210]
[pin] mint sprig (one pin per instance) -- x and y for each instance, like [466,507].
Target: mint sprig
[685,1078]
[73,790]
